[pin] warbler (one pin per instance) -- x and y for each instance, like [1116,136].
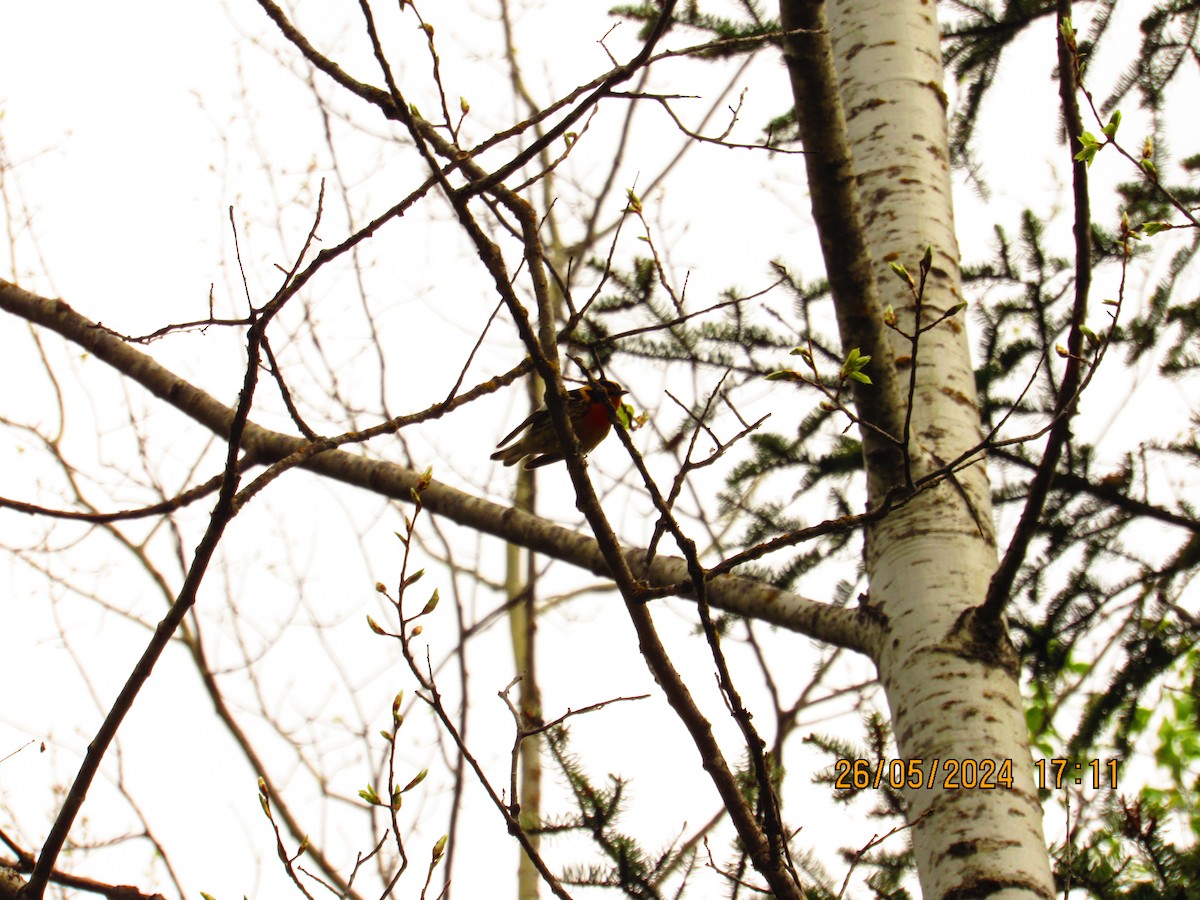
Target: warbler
[589,418]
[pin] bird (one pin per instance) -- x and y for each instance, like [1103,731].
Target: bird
[589,417]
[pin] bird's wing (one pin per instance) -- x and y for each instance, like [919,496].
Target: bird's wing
[525,424]
[544,460]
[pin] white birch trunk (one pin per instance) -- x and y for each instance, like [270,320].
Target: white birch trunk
[953,696]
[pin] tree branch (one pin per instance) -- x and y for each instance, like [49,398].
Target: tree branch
[742,596]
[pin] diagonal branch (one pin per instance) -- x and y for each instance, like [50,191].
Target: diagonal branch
[222,515]
[1000,588]
[742,596]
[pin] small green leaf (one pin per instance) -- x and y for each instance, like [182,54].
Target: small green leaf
[1114,122]
[1139,720]
[805,354]
[1068,32]
[854,365]
[417,779]
[1090,146]
[785,375]
[432,604]
[902,272]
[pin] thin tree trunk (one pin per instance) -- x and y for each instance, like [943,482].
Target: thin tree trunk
[521,588]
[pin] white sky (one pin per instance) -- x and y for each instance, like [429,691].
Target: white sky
[130,130]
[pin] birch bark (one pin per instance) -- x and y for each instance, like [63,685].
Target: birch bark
[951,683]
